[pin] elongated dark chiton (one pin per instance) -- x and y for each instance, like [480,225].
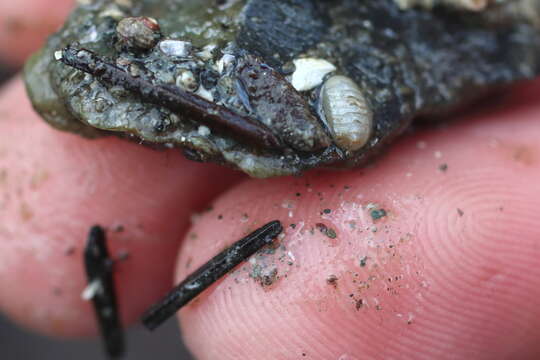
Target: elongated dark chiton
[277,87]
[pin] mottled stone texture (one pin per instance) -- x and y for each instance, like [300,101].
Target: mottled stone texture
[406,62]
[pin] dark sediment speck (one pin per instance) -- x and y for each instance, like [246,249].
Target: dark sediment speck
[265,275]
[363,261]
[377,214]
[331,233]
[332,280]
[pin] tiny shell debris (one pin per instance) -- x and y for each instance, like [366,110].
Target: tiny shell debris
[310,72]
[204,130]
[474,5]
[140,32]
[187,80]
[290,254]
[207,52]
[177,48]
[225,62]
[91,290]
[205,94]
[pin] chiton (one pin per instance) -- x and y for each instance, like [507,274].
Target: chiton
[276,87]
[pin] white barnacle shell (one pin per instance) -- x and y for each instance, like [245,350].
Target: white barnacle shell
[58,55]
[225,62]
[207,52]
[204,130]
[347,112]
[205,94]
[175,48]
[310,73]
[187,81]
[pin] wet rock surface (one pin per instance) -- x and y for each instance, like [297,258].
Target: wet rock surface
[232,63]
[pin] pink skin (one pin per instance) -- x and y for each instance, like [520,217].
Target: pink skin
[437,282]
[25,24]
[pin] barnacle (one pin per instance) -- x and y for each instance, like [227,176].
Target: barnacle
[276,87]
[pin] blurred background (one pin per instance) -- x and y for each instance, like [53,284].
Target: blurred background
[162,344]
[17,344]
[5,72]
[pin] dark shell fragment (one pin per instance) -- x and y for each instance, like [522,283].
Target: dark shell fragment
[279,106]
[215,78]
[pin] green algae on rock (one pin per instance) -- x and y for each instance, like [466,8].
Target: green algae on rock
[274,87]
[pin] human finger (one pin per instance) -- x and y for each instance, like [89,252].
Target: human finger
[54,186]
[430,254]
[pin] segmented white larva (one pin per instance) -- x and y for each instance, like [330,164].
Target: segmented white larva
[347,112]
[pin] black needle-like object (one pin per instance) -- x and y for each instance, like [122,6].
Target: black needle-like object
[209,273]
[101,291]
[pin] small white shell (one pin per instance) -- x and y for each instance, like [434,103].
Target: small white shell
[202,92]
[187,81]
[310,73]
[207,52]
[225,62]
[204,130]
[347,112]
[91,290]
[58,55]
[175,48]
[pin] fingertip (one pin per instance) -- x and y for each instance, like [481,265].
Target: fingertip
[24,26]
